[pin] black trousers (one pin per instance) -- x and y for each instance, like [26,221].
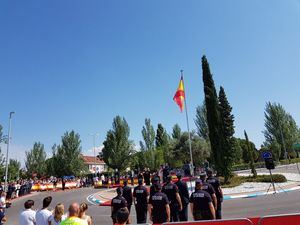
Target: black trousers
[219,210]
[159,220]
[202,215]
[183,214]
[174,208]
[141,213]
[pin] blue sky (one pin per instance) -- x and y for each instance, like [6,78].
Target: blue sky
[76,64]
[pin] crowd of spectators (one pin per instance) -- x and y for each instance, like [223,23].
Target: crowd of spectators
[17,188]
[76,215]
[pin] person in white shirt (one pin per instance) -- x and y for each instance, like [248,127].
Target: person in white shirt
[42,216]
[3,200]
[27,217]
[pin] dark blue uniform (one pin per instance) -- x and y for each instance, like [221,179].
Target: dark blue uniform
[171,190]
[216,184]
[184,195]
[127,194]
[159,201]
[141,194]
[116,204]
[201,200]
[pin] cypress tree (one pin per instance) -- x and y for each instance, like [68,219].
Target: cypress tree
[227,131]
[161,138]
[213,116]
[251,155]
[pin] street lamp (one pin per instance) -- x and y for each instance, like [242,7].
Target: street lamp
[94,137]
[8,142]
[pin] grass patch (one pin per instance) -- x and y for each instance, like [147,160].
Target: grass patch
[236,180]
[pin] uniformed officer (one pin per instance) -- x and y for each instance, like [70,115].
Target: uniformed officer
[184,196]
[159,209]
[127,194]
[154,181]
[140,199]
[209,188]
[219,193]
[201,204]
[117,203]
[171,190]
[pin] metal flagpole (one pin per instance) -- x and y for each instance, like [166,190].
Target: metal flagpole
[188,127]
[7,151]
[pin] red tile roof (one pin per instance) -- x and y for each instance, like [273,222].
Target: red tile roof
[91,160]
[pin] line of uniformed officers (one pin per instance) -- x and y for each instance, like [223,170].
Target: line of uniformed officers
[170,202]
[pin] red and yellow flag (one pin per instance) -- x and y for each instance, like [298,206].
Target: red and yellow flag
[179,95]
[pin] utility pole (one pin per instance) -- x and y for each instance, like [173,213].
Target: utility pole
[7,150]
[94,146]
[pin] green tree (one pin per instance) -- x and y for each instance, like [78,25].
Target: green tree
[201,122]
[280,127]
[238,151]
[67,159]
[181,152]
[245,154]
[161,138]
[176,132]
[213,116]
[148,134]
[227,131]
[50,166]
[14,167]
[35,160]
[251,155]
[2,159]
[118,149]
[148,145]
[162,142]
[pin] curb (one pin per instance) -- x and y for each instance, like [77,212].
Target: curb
[254,195]
[91,199]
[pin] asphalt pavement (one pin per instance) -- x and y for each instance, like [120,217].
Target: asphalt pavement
[252,207]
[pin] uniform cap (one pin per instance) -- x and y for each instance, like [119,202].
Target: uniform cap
[198,182]
[169,178]
[157,186]
[140,181]
[155,180]
[119,191]
[202,174]
[209,171]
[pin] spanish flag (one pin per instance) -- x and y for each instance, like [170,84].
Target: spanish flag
[179,95]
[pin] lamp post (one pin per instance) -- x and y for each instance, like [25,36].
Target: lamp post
[8,142]
[94,145]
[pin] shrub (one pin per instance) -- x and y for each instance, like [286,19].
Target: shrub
[277,178]
[236,180]
[245,166]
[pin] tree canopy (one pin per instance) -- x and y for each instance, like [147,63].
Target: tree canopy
[201,122]
[35,160]
[117,146]
[280,129]
[67,159]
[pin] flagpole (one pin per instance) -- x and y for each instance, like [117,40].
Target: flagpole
[188,127]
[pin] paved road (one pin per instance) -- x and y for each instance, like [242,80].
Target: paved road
[264,205]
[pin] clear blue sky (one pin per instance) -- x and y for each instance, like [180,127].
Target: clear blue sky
[76,64]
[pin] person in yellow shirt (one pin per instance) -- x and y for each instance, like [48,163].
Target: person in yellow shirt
[73,218]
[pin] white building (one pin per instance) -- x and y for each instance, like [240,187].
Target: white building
[94,164]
